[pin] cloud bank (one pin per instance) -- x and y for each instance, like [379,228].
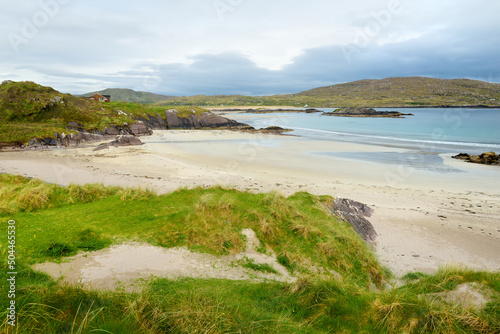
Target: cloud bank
[244,47]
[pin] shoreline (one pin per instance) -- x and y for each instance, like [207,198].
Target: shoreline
[424,220]
[302,109]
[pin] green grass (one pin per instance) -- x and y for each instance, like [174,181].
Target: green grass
[299,228]
[262,267]
[53,222]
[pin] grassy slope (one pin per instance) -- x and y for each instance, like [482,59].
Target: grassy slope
[26,112]
[210,220]
[410,92]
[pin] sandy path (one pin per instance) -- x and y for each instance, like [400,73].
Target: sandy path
[129,266]
[424,218]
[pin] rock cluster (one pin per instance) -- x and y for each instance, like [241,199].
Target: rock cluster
[143,127]
[194,121]
[487,158]
[120,141]
[364,112]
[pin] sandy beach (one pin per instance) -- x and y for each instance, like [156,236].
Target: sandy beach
[424,218]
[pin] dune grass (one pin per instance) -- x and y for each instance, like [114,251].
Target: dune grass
[53,222]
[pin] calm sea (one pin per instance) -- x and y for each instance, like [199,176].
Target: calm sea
[422,137]
[433,130]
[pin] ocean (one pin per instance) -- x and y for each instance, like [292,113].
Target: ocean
[421,137]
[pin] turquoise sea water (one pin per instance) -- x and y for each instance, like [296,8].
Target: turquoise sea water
[429,130]
[419,139]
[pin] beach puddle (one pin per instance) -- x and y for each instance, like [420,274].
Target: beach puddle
[417,160]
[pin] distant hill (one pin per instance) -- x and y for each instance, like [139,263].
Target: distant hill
[411,91]
[129,95]
[390,92]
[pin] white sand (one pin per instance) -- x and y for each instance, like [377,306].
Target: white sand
[424,218]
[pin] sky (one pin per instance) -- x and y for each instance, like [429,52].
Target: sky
[248,47]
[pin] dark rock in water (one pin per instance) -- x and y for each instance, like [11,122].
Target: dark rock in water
[126,141]
[462,156]
[274,128]
[354,213]
[364,112]
[487,158]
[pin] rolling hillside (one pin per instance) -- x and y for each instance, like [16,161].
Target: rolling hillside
[390,92]
[410,91]
[129,95]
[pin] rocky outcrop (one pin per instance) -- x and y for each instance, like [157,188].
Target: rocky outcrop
[172,120]
[364,112]
[138,129]
[275,130]
[120,141]
[143,127]
[487,158]
[126,141]
[354,213]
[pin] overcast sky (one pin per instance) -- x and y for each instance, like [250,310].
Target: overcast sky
[251,47]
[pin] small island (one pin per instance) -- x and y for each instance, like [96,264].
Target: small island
[364,112]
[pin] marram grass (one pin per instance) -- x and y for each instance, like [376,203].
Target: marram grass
[53,222]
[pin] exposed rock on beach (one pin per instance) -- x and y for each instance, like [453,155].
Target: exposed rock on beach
[487,158]
[354,213]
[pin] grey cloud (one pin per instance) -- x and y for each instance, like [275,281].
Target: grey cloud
[185,48]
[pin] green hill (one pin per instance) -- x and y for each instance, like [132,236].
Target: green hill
[416,91]
[129,95]
[390,92]
[29,110]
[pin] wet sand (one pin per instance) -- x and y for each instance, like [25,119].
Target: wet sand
[424,218]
